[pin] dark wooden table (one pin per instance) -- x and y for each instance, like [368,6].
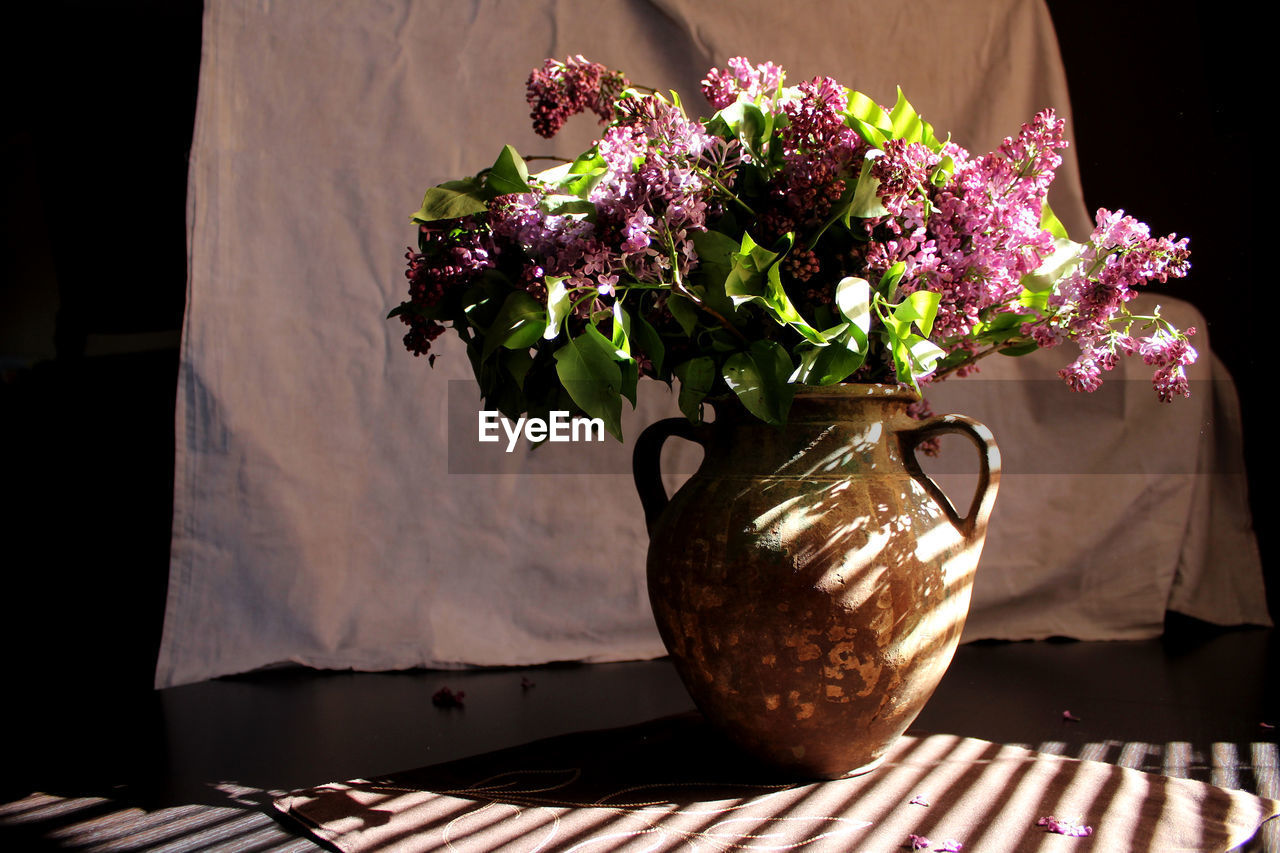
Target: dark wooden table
[194,767]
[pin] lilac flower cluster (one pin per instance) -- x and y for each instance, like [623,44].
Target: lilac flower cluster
[817,185]
[452,255]
[656,191]
[722,88]
[1120,255]
[974,238]
[559,90]
[819,154]
[651,196]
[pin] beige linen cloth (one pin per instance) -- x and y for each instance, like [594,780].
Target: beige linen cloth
[671,785]
[332,506]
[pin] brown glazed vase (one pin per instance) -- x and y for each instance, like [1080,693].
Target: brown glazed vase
[811,581]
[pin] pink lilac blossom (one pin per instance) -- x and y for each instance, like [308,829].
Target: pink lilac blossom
[917,842]
[972,240]
[819,154]
[650,198]
[1119,257]
[1064,827]
[559,90]
[722,88]
[903,170]
[553,245]
[656,204]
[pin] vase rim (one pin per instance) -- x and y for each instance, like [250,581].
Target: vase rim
[859,389]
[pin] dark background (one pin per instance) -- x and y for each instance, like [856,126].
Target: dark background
[100,104]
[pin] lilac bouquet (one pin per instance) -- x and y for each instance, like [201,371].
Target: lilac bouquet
[801,235]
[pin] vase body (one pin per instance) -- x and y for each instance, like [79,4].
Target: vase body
[810,581]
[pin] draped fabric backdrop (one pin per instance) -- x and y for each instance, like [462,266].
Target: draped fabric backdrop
[332,505]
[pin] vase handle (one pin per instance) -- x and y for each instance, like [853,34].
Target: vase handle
[646,463]
[984,495]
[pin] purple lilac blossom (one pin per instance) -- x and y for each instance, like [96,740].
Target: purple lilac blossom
[819,154]
[454,252]
[559,90]
[917,842]
[651,197]
[722,88]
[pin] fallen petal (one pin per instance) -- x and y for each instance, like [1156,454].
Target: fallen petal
[447,698]
[1067,715]
[917,842]
[1065,827]
[918,800]
[950,846]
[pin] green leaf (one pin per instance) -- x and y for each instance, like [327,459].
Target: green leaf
[684,311]
[569,205]
[755,277]
[873,135]
[593,379]
[452,200]
[746,121]
[1037,301]
[853,298]
[627,366]
[839,212]
[1002,322]
[832,363]
[867,111]
[919,308]
[888,285]
[621,338]
[924,354]
[520,322]
[760,377]
[646,337]
[866,204]
[1050,222]
[1066,254]
[577,178]
[943,171]
[509,174]
[585,172]
[517,362]
[906,123]
[909,126]
[480,304]
[914,357]
[1025,348]
[716,253]
[696,376]
[559,304]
